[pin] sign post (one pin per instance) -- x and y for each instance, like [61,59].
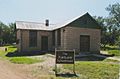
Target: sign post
[65,57]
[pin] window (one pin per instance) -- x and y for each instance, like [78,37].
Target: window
[59,37]
[32,38]
[53,38]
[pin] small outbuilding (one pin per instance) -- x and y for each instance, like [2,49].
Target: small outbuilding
[82,33]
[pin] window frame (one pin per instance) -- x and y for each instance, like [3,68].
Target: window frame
[59,37]
[32,38]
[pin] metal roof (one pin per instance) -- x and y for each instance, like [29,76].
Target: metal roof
[33,25]
[42,26]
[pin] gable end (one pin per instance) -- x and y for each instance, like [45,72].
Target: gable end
[85,21]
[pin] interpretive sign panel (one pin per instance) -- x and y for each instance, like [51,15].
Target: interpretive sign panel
[65,57]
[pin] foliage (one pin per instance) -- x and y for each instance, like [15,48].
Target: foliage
[12,27]
[110,26]
[114,12]
[95,70]
[113,22]
[118,42]
[7,33]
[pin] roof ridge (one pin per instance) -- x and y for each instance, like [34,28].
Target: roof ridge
[69,21]
[54,26]
[33,22]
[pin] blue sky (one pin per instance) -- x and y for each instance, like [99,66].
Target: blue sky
[56,11]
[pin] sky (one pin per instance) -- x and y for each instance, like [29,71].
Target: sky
[57,11]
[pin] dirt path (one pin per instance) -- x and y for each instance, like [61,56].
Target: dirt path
[11,71]
[42,70]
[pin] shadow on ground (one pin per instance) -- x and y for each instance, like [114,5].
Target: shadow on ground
[91,57]
[26,53]
[67,75]
[87,57]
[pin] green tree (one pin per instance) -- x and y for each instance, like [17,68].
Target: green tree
[118,42]
[110,26]
[7,33]
[104,33]
[113,22]
[3,30]
[12,33]
[114,14]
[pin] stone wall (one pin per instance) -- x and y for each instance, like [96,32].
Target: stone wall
[23,36]
[72,38]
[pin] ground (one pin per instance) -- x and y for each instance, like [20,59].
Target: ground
[87,67]
[11,71]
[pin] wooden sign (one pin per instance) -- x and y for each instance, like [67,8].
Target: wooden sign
[65,57]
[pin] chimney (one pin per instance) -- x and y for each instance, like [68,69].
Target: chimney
[47,22]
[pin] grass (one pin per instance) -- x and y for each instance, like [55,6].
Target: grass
[106,69]
[108,47]
[112,50]
[111,60]
[24,60]
[2,53]
[115,52]
[18,60]
[95,70]
[9,49]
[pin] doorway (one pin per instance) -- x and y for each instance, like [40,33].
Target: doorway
[84,43]
[44,43]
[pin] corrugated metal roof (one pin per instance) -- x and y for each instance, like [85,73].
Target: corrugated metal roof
[42,26]
[33,25]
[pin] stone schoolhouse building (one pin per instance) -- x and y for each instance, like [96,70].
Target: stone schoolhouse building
[82,33]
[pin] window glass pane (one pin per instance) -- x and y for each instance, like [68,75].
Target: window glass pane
[53,38]
[59,37]
[32,38]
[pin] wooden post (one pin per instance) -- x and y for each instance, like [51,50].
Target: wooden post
[74,62]
[55,63]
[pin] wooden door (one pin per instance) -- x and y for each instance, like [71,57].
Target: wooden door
[44,43]
[84,43]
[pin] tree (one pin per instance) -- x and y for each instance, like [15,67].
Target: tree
[118,42]
[3,30]
[110,26]
[7,33]
[114,14]
[104,33]
[12,27]
[113,22]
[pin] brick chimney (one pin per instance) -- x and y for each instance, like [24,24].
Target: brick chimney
[47,22]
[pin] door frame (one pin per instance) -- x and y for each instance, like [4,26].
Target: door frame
[88,49]
[44,38]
